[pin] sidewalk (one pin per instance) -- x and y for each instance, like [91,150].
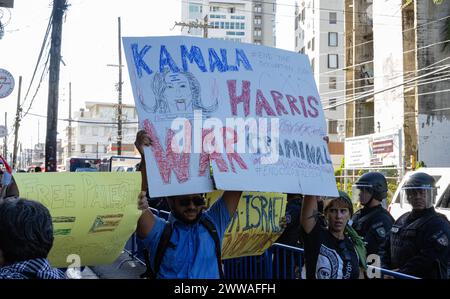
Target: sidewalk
[122,268]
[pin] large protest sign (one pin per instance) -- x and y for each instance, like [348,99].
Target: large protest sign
[93,214]
[252,111]
[256,224]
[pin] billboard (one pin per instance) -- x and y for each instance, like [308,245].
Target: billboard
[374,150]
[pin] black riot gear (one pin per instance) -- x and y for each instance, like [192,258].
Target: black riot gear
[419,190]
[418,244]
[369,186]
[420,179]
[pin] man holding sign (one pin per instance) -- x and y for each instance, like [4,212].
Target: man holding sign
[191,250]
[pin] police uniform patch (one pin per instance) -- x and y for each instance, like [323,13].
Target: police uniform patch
[381,232]
[443,240]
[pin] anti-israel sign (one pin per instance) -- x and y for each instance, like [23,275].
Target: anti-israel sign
[250,112]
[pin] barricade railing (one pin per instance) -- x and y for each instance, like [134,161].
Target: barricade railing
[279,261]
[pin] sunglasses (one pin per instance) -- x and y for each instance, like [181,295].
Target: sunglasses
[186,201]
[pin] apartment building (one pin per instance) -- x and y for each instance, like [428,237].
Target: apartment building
[248,21]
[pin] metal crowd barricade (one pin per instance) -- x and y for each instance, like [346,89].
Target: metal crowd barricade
[278,262]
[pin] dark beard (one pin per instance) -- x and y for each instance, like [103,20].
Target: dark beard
[185,221]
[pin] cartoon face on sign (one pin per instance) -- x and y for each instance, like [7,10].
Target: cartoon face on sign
[177,93]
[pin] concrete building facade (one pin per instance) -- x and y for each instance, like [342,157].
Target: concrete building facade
[319,33]
[251,21]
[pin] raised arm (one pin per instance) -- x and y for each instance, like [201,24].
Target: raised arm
[231,199]
[147,219]
[309,214]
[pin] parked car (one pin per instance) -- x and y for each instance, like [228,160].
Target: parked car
[442,201]
[124,168]
[86,170]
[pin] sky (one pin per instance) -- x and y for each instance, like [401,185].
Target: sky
[89,44]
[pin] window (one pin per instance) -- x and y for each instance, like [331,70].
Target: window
[258,8]
[332,126]
[333,62]
[257,21]
[214,8]
[332,82]
[333,18]
[82,148]
[309,45]
[240,33]
[312,64]
[332,39]
[257,32]
[312,44]
[227,25]
[231,10]
[232,25]
[195,11]
[222,25]
[302,16]
[331,103]
[302,50]
[242,26]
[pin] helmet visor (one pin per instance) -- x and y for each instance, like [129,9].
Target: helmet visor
[362,193]
[418,197]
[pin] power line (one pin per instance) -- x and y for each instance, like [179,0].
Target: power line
[443,74]
[44,70]
[383,90]
[44,42]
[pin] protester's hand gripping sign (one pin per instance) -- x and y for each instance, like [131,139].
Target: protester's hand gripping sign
[253,112]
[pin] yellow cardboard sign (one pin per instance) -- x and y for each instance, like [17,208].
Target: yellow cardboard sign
[255,225]
[94,213]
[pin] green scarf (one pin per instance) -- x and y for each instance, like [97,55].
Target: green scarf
[359,245]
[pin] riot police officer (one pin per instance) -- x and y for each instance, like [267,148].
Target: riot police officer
[372,222]
[418,243]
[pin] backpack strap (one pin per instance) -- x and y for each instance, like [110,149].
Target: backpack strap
[160,250]
[210,227]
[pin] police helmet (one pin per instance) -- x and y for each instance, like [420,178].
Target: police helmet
[419,190]
[372,182]
[420,179]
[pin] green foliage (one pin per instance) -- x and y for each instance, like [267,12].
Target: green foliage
[420,164]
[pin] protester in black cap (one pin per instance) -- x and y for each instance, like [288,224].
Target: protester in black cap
[333,251]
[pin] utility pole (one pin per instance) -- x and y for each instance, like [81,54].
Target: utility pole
[119,108]
[5,144]
[59,7]
[17,124]
[69,133]
[196,24]
[205,29]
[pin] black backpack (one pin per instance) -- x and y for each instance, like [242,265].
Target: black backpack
[164,243]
